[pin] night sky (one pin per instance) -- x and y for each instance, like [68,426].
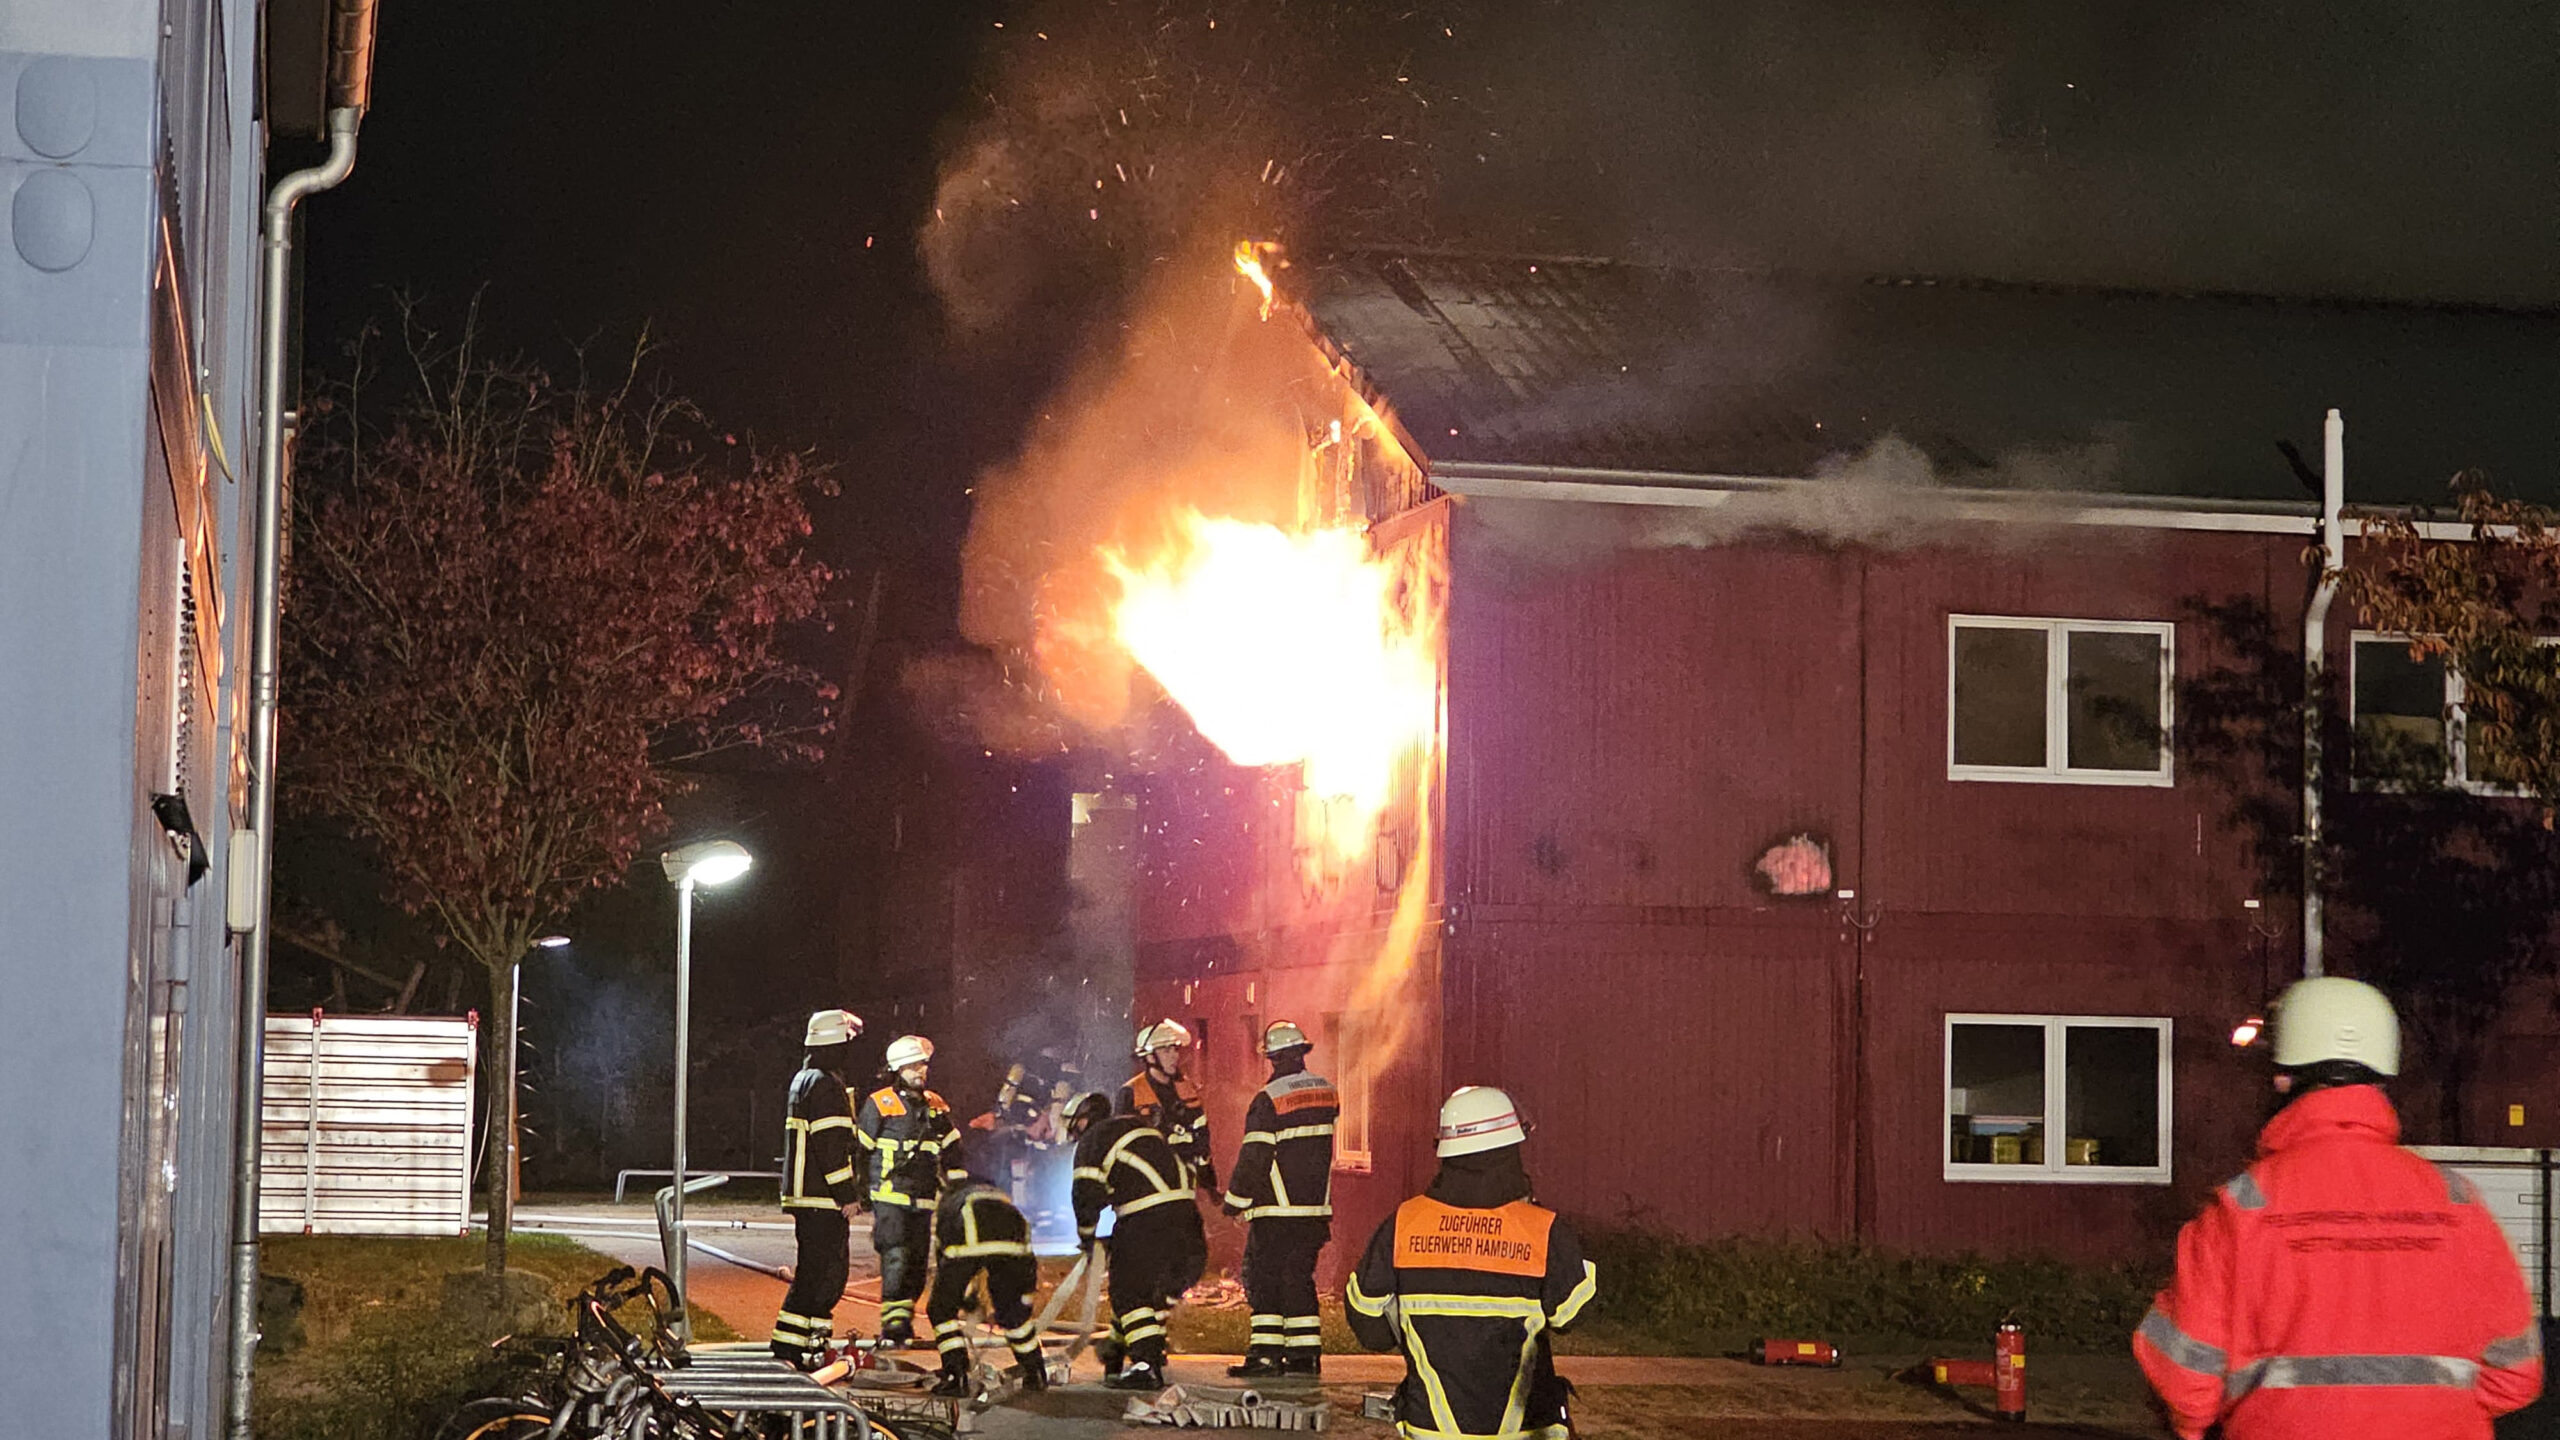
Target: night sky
[759,183]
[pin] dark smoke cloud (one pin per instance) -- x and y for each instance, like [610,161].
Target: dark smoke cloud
[2380,147]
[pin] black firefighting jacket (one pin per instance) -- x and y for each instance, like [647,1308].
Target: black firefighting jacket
[975,1220]
[817,1144]
[1174,1111]
[1470,1296]
[1285,1168]
[1124,1163]
[903,1133]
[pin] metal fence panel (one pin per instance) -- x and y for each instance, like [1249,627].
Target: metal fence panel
[2517,1185]
[367,1125]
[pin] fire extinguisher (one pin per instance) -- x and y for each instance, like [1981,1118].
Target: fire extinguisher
[2009,1372]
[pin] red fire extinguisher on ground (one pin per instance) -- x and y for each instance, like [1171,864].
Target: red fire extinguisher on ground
[2009,1372]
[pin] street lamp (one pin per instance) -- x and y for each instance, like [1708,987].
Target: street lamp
[705,862]
[515,1043]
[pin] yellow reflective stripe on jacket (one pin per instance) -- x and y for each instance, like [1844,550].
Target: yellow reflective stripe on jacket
[1303,1132]
[1289,1212]
[1583,1290]
[1150,1202]
[987,1247]
[1425,1432]
[803,1202]
[1361,1300]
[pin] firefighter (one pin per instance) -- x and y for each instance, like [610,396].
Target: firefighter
[1469,1279]
[1157,1247]
[2341,1286]
[978,1232]
[1281,1187]
[819,1187]
[1167,1100]
[903,1129]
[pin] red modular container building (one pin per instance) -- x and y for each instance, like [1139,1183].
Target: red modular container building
[1918,599]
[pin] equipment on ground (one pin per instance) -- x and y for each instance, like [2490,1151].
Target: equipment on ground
[1796,1352]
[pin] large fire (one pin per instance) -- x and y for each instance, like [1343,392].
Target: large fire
[1291,649]
[1249,264]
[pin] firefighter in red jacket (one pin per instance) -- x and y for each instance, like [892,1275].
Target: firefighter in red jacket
[1282,1187]
[1469,1279]
[2341,1286]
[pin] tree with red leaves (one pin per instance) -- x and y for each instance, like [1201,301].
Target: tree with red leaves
[515,609]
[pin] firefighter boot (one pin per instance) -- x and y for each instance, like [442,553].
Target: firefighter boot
[1033,1372]
[1139,1375]
[1111,1353]
[1306,1364]
[1258,1367]
[955,1375]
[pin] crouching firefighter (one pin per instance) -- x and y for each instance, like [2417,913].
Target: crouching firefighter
[1281,1186]
[2341,1286]
[979,1233]
[903,1129]
[1157,1248]
[819,1188]
[1469,1279]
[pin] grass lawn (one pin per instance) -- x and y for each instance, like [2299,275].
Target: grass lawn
[380,1358]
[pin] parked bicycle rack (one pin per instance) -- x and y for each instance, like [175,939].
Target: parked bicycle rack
[759,1386]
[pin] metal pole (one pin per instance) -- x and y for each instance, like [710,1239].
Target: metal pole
[684,1021]
[515,1043]
[2315,660]
[255,850]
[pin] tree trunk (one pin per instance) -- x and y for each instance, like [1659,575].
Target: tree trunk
[501,1132]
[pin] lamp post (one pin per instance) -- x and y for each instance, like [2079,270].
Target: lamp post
[706,862]
[515,1044]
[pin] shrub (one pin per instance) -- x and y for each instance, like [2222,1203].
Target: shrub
[1710,1296]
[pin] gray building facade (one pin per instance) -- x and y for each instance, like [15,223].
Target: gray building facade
[130,151]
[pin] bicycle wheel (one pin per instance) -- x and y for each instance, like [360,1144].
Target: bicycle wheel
[495,1417]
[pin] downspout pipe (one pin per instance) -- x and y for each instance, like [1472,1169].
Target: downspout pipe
[253,850]
[2315,656]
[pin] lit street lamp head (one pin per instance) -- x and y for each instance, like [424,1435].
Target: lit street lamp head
[552,942]
[706,862]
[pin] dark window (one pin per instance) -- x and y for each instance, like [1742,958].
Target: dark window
[2111,1095]
[2000,696]
[2399,715]
[2114,709]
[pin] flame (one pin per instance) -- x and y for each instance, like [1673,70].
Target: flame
[1290,648]
[1249,264]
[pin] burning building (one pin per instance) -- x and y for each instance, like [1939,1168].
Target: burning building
[1742,715]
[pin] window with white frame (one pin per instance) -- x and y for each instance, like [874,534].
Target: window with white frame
[2057,1098]
[2067,701]
[2411,726]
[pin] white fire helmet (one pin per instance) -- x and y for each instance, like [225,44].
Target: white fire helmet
[2330,1017]
[909,1050]
[832,1027]
[1282,1035]
[1477,1118]
[1162,1033]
